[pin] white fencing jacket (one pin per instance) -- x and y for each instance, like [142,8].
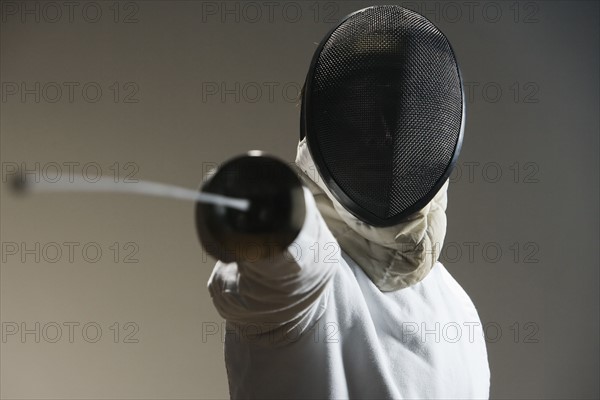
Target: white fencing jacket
[312,324]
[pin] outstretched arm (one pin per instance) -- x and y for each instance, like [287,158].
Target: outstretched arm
[268,290]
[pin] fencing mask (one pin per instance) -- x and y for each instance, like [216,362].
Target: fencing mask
[383,112]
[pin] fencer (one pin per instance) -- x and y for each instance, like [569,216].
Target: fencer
[330,283]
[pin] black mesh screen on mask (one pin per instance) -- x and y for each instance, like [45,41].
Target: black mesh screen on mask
[383,112]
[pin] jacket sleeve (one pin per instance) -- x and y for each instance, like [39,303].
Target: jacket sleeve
[285,294]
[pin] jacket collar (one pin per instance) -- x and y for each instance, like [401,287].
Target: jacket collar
[393,257]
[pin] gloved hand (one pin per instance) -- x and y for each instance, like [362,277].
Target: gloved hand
[273,220]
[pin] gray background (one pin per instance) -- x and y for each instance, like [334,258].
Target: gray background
[523,207]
